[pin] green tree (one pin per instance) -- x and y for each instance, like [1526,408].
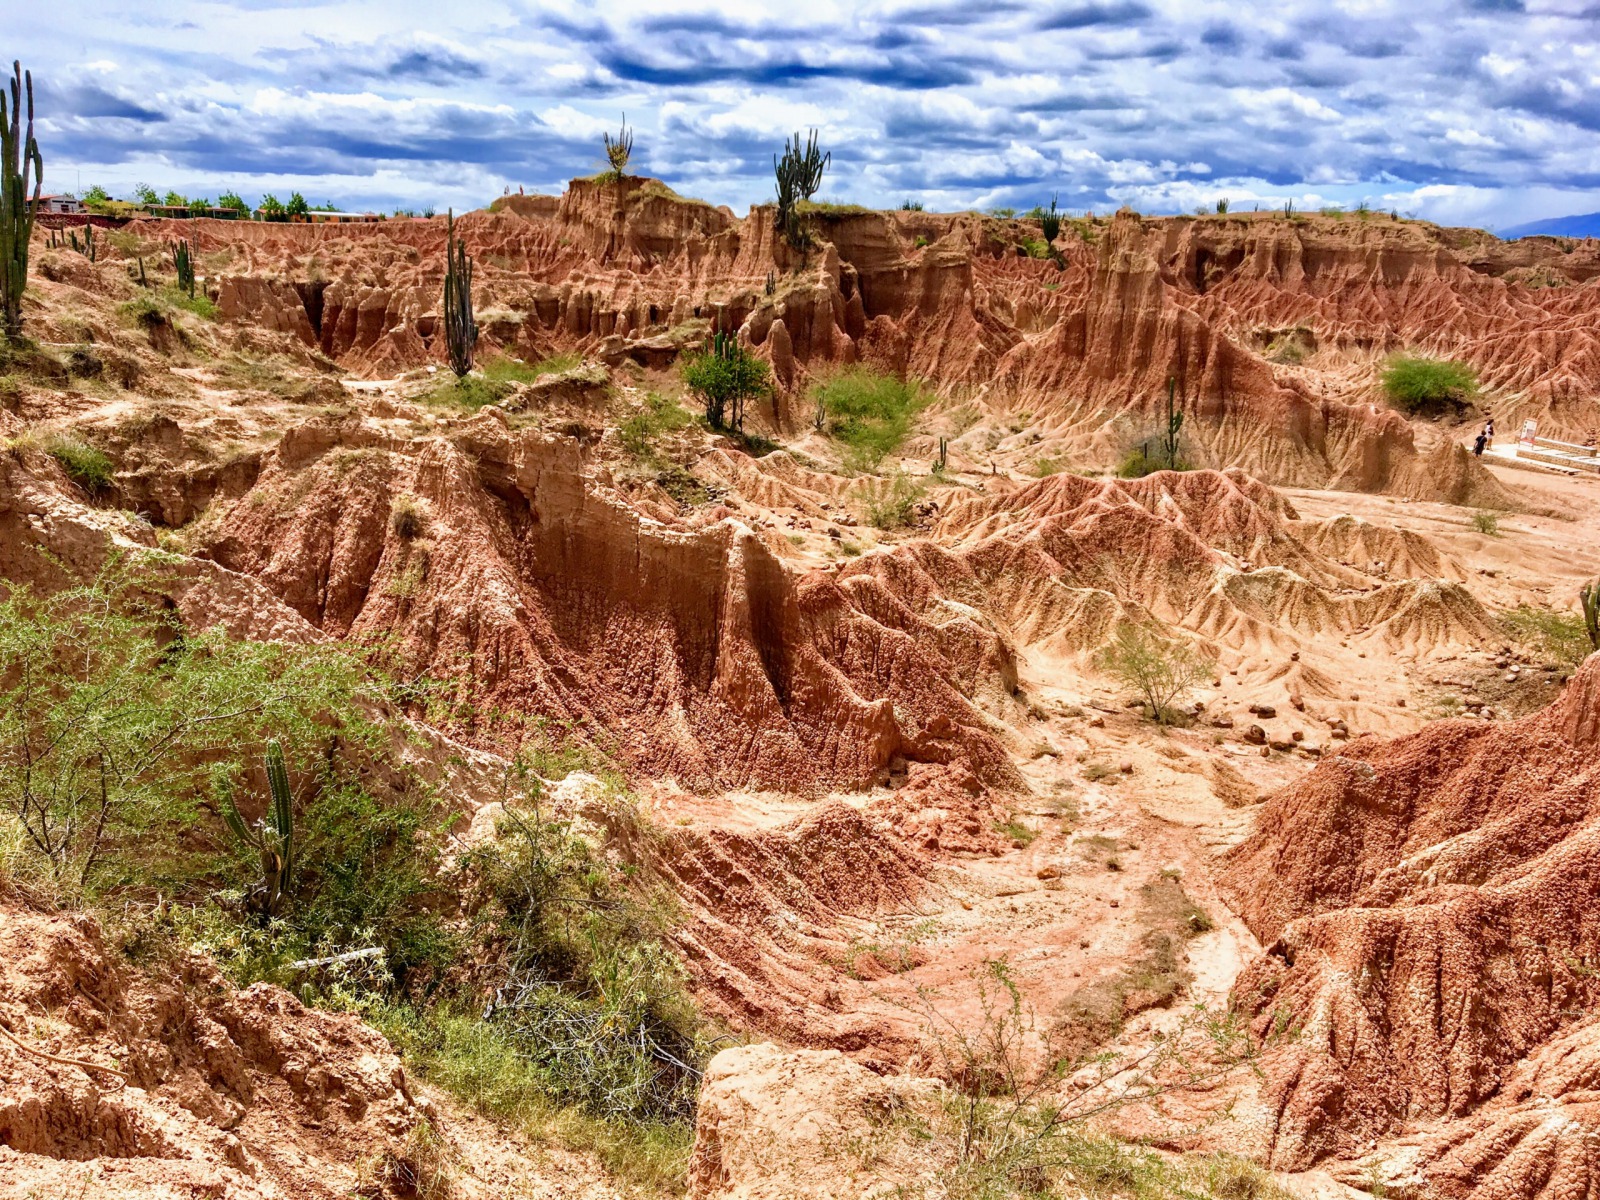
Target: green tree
[1421,385]
[233,200]
[116,724]
[297,206]
[272,208]
[146,194]
[725,377]
[175,200]
[96,195]
[1161,671]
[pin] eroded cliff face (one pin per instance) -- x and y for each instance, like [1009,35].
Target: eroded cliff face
[702,655]
[1085,345]
[1428,910]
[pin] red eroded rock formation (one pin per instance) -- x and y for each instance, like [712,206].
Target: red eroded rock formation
[1085,345]
[1432,934]
[696,654]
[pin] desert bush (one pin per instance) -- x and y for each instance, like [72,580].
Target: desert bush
[1008,1128]
[869,412]
[407,517]
[1428,385]
[505,369]
[1559,636]
[894,506]
[1162,672]
[116,726]
[87,466]
[661,415]
[1486,522]
[468,392]
[725,377]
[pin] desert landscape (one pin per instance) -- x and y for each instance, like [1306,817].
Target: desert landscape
[601,696]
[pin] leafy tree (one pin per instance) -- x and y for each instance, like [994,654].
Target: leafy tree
[725,376]
[297,206]
[272,208]
[232,200]
[1161,671]
[96,195]
[1428,385]
[175,200]
[146,194]
[116,723]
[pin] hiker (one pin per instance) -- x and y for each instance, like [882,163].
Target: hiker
[1479,442]
[1488,430]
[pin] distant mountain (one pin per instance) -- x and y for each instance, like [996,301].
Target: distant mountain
[1580,225]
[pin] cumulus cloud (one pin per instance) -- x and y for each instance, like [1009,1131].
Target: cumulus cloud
[1480,109]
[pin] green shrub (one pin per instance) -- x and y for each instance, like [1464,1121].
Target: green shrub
[468,392]
[87,466]
[869,412]
[1428,385]
[506,369]
[1160,671]
[117,725]
[1486,522]
[1556,635]
[893,507]
[726,376]
[660,415]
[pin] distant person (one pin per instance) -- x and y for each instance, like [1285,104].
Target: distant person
[1488,429]
[1479,442]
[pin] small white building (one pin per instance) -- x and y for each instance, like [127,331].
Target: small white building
[60,204]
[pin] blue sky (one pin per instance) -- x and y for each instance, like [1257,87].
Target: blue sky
[1475,111]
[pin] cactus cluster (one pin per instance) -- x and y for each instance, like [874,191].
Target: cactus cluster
[799,175]
[460,330]
[19,153]
[272,837]
[619,149]
[943,459]
[89,248]
[183,264]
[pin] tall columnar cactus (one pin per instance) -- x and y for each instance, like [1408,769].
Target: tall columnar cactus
[183,263]
[1589,596]
[18,154]
[272,837]
[1050,222]
[799,175]
[618,151]
[1169,441]
[460,330]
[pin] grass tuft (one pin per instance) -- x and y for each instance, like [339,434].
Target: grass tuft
[869,412]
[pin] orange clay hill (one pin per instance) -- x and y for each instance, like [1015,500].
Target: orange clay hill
[911,792]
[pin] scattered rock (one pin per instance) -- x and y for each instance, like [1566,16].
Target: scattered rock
[1255,735]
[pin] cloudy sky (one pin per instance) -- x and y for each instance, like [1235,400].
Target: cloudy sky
[1472,111]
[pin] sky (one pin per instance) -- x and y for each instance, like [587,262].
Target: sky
[1483,112]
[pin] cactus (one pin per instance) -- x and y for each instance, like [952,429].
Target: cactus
[18,153]
[143,282]
[943,460]
[460,331]
[772,284]
[272,838]
[183,263]
[1050,222]
[1589,597]
[618,151]
[799,175]
[90,249]
[1169,447]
